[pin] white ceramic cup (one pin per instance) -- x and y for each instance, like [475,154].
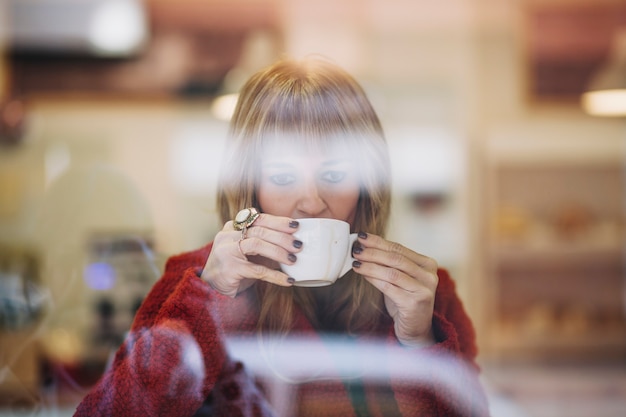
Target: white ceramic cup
[326,253]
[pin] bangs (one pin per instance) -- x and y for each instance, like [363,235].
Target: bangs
[313,120]
[309,143]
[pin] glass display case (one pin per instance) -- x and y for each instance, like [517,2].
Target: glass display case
[554,257]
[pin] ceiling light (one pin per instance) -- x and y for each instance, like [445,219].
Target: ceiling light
[606,94]
[118,27]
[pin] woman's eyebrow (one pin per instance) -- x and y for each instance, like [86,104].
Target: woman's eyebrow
[335,161]
[278,165]
[288,165]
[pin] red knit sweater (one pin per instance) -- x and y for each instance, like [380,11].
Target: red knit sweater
[175,361]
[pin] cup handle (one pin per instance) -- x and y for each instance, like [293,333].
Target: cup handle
[349,259]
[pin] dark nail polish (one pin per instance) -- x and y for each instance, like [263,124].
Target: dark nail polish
[357,249]
[363,235]
[356,264]
[291,280]
[294,224]
[292,257]
[297,244]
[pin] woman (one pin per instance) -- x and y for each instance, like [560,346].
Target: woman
[304,142]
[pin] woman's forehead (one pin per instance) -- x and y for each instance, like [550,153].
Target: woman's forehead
[295,143]
[295,149]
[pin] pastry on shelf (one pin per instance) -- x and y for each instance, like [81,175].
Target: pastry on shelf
[539,320]
[573,221]
[575,320]
[511,223]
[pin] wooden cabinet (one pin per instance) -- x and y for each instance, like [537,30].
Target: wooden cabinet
[554,255]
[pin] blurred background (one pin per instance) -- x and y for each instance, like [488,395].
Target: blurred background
[508,169]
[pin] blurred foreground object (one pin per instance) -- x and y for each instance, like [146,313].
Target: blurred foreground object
[606,95]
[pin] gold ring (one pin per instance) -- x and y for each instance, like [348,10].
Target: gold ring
[245,218]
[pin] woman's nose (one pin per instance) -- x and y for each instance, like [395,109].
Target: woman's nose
[310,201]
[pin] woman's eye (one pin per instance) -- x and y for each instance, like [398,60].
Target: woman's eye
[282,179]
[333,176]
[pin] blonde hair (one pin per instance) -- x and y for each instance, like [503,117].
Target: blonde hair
[312,102]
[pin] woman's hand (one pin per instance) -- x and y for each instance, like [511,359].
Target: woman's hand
[234,264]
[408,282]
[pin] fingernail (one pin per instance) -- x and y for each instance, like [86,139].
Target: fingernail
[291,280]
[294,224]
[356,264]
[363,235]
[297,244]
[357,249]
[292,257]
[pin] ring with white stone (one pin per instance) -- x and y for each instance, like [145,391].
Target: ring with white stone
[245,218]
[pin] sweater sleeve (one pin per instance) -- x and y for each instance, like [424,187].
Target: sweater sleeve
[174,356]
[446,373]
[452,326]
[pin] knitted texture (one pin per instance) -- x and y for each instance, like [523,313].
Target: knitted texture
[175,363]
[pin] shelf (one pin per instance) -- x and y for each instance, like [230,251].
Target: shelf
[571,252]
[512,340]
[555,256]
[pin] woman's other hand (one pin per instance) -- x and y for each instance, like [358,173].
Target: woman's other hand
[238,259]
[408,282]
